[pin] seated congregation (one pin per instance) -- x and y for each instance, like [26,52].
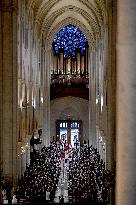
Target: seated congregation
[88,180]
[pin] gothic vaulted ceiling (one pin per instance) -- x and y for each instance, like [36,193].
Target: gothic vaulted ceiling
[51,15]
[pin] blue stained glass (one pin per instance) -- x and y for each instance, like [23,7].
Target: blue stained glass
[70,39]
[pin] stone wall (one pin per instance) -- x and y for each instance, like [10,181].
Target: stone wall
[76,108]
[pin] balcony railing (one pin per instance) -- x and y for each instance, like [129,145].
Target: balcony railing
[61,80]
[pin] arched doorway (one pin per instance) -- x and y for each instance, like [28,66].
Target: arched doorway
[70,131]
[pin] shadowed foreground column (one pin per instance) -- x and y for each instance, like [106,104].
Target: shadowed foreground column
[126,103]
[8,92]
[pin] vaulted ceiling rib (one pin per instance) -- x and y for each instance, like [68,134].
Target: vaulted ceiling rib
[48,11]
[75,22]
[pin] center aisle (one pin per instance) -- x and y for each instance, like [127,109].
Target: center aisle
[62,189]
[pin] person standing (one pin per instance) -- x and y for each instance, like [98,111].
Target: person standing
[62,199]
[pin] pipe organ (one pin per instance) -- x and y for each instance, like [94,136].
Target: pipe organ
[69,65]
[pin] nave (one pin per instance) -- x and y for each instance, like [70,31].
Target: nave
[66,175]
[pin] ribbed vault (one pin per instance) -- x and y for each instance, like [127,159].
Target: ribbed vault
[52,15]
[57,27]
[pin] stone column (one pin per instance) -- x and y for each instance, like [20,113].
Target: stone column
[100,148]
[23,163]
[92,98]
[19,166]
[97,91]
[28,153]
[126,104]
[97,137]
[46,100]
[90,67]
[52,61]
[109,90]
[86,61]
[8,90]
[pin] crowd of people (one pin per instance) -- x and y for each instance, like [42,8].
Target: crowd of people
[40,179]
[89,181]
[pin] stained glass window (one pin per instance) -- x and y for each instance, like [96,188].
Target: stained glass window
[70,40]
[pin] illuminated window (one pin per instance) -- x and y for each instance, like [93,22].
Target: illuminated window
[70,40]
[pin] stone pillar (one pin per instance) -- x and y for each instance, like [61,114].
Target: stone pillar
[90,67]
[109,94]
[46,100]
[23,162]
[8,90]
[28,153]
[109,90]
[126,104]
[97,91]
[19,166]
[52,61]
[100,148]
[92,100]
[97,137]
[86,61]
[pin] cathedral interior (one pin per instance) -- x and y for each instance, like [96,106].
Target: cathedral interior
[67,80]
